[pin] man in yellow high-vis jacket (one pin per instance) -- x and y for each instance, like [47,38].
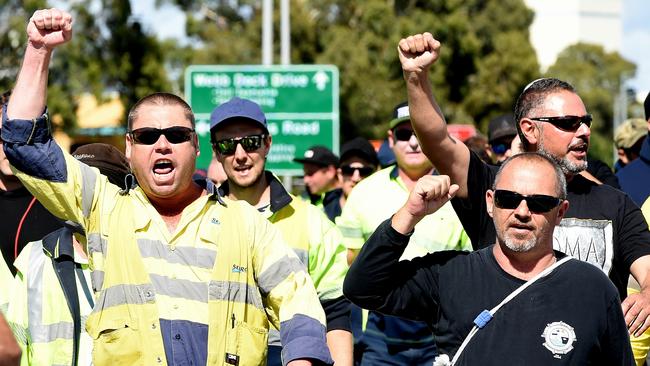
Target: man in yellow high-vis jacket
[181,275]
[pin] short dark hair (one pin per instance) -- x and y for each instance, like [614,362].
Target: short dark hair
[160,99]
[533,96]
[560,179]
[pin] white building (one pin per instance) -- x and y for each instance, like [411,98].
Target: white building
[561,23]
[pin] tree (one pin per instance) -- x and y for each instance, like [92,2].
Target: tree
[597,76]
[109,52]
[486,60]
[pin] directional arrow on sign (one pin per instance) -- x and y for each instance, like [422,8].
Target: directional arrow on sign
[320,79]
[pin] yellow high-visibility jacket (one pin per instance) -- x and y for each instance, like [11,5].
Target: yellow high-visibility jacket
[256,277]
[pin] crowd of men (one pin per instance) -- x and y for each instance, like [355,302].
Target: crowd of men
[510,249]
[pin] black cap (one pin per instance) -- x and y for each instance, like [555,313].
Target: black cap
[107,158]
[501,126]
[400,114]
[319,155]
[361,148]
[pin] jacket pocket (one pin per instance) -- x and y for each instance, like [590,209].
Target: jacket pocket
[246,345]
[116,342]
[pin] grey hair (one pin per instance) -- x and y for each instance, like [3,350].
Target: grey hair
[560,179]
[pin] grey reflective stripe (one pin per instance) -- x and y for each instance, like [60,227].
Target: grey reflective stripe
[351,232]
[124,294]
[20,333]
[277,272]
[97,280]
[235,292]
[190,256]
[97,244]
[180,288]
[37,331]
[50,332]
[303,255]
[274,337]
[89,178]
[4,307]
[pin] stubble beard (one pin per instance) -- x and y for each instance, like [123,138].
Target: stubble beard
[568,167]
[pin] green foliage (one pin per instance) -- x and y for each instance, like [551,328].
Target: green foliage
[597,75]
[485,62]
[108,52]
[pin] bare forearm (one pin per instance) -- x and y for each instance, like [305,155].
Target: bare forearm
[426,117]
[341,346]
[28,96]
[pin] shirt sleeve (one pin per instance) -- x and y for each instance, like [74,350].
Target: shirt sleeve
[350,222]
[289,295]
[327,268]
[632,234]
[378,280]
[472,211]
[616,348]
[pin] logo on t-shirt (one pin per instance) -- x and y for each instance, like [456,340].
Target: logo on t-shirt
[559,338]
[587,240]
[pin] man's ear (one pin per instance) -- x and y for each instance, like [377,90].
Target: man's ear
[127,150]
[530,129]
[391,142]
[489,201]
[564,206]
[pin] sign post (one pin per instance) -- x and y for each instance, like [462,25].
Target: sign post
[301,103]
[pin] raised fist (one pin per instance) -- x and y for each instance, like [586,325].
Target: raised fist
[418,52]
[429,194]
[49,28]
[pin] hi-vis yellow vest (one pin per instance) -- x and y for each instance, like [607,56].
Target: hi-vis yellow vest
[125,322]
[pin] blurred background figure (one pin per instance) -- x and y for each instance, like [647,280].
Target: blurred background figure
[215,171]
[635,175]
[628,139]
[358,161]
[501,133]
[319,165]
[479,145]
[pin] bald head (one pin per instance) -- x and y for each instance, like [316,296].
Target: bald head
[530,161]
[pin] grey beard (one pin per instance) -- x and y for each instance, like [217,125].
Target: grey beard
[568,167]
[526,246]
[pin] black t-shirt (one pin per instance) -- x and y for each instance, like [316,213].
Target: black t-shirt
[602,226]
[38,222]
[570,317]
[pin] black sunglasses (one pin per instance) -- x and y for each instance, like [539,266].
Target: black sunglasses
[249,143]
[149,135]
[364,171]
[537,203]
[403,134]
[566,123]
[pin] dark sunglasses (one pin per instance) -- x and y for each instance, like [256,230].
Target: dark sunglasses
[403,134]
[566,123]
[364,171]
[249,143]
[149,135]
[537,203]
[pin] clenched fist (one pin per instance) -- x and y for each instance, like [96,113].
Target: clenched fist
[49,28]
[418,52]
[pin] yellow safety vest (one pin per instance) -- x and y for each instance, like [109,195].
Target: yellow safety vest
[125,322]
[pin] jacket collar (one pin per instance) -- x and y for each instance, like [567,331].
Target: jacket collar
[279,195]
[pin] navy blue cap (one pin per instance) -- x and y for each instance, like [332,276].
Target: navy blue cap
[237,108]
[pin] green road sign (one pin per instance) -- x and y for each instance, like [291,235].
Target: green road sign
[301,103]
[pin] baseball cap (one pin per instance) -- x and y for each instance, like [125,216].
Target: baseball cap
[646,107]
[359,147]
[238,108]
[501,126]
[400,114]
[319,155]
[107,158]
[629,132]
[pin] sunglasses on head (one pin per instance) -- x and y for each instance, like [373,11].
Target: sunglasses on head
[537,203]
[364,171]
[149,135]
[249,143]
[403,134]
[566,123]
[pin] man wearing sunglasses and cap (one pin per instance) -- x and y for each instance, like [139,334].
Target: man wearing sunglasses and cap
[515,302]
[181,275]
[389,340]
[602,225]
[241,142]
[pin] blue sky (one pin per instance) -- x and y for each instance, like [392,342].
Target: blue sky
[168,22]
